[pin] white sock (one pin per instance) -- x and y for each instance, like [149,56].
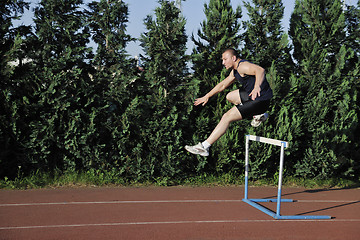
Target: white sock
[206,145]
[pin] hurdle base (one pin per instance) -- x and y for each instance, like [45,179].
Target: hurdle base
[254,203]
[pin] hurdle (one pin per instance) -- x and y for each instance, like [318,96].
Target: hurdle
[255,202]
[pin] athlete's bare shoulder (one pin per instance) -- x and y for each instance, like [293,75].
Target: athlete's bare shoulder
[247,68]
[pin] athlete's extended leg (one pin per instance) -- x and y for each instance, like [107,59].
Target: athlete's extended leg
[230,116]
[203,148]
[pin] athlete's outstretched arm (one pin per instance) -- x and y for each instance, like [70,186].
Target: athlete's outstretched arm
[221,86]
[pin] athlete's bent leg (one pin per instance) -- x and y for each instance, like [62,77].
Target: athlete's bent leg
[234,97]
[230,116]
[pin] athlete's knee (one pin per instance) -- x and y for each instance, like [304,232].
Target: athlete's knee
[231,116]
[228,97]
[225,117]
[231,97]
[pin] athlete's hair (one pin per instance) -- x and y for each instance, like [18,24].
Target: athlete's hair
[232,51]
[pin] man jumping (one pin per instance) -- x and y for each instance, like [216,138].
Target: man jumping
[251,100]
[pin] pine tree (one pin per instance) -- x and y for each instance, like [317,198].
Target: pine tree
[165,45]
[167,111]
[10,10]
[11,50]
[325,87]
[119,89]
[108,20]
[352,16]
[352,21]
[59,113]
[219,31]
[324,22]
[62,39]
[265,42]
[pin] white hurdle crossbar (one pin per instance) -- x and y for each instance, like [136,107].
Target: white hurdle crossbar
[254,202]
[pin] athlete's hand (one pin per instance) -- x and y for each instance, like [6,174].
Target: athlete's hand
[202,101]
[255,93]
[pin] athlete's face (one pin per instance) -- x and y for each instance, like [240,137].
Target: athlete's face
[228,60]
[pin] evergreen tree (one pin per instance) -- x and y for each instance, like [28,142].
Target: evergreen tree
[58,109]
[265,42]
[324,22]
[219,31]
[119,89]
[165,45]
[352,21]
[352,18]
[108,21]
[165,121]
[326,91]
[10,10]
[11,50]
[62,39]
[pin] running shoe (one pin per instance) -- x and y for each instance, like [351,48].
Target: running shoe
[258,119]
[198,149]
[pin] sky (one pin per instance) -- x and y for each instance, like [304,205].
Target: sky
[192,10]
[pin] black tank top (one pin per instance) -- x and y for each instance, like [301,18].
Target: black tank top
[248,83]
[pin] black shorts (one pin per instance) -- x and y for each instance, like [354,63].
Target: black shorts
[249,108]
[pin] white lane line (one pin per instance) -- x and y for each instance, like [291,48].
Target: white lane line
[161,201]
[175,222]
[329,201]
[116,202]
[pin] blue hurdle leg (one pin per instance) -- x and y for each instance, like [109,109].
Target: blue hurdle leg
[298,217]
[280,179]
[269,200]
[259,207]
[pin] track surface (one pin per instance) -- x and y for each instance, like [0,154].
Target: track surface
[175,213]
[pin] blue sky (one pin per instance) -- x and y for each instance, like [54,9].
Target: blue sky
[193,11]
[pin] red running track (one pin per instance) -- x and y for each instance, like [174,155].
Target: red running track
[175,213]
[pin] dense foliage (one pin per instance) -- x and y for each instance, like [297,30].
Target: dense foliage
[66,107]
